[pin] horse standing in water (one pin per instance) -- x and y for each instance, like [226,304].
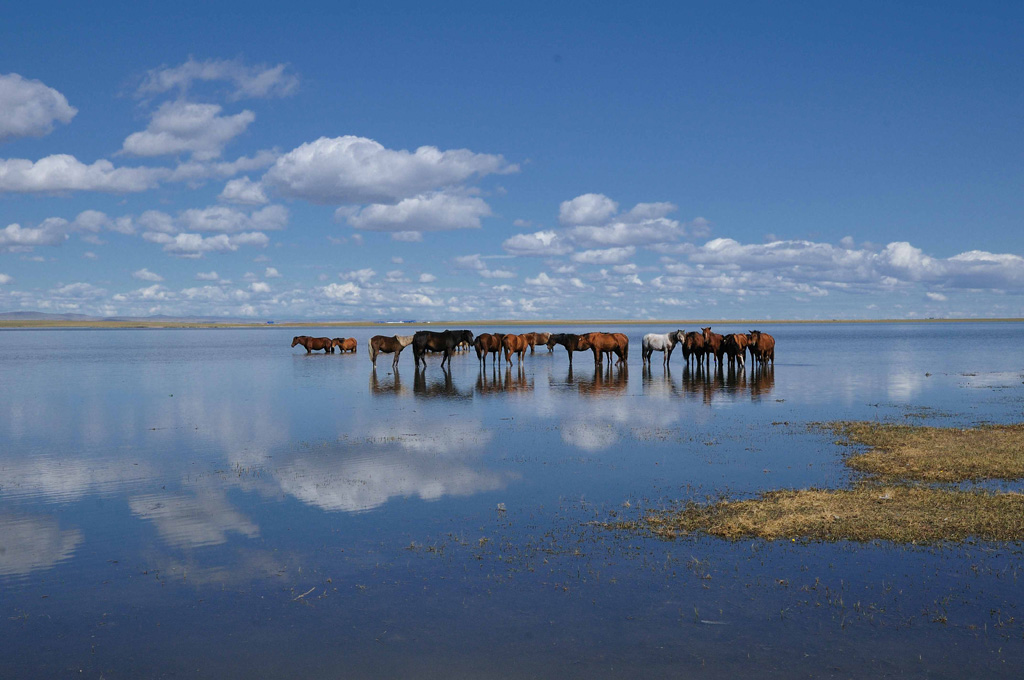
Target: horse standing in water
[382,344]
[762,347]
[488,343]
[661,342]
[712,346]
[570,341]
[735,347]
[514,344]
[603,344]
[693,345]
[344,344]
[326,344]
[445,342]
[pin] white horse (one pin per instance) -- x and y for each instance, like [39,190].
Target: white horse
[661,342]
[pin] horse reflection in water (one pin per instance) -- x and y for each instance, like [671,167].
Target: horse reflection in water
[383,387]
[443,388]
[497,381]
[659,383]
[721,381]
[607,381]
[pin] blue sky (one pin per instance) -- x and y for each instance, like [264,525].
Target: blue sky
[667,160]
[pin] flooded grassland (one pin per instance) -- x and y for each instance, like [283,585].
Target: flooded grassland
[213,503]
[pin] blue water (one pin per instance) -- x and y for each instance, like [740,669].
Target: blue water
[215,504]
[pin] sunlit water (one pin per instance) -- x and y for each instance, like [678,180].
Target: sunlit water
[215,504]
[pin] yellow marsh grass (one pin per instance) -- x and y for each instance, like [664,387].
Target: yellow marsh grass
[893,513]
[936,454]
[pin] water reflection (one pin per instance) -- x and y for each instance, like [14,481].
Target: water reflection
[730,382]
[389,386]
[33,542]
[443,387]
[187,520]
[603,382]
[496,381]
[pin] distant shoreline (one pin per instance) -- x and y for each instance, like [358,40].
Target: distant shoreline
[679,323]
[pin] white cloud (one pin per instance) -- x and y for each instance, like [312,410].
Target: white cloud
[436,211]
[271,273]
[476,263]
[539,243]
[63,172]
[357,170]
[6,279]
[424,278]
[605,256]
[195,245]
[587,209]
[244,191]
[217,219]
[28,108]
[937,297]
[50,233]
[247,81]
[207,276]
[179,126]
[259,287]
[361,275]
[407,236]
[194,171]
[80,290]
[146,275]
[342,292]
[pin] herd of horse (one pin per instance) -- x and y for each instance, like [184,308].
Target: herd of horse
[704,347]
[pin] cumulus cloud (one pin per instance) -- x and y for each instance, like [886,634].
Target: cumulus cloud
[217,219]
[437,211]
[28,108]
[207,276]
[259,287]
[407,236]
[587,209]
[357,170]
[361,275]
[604,256]
[539,243]
[6,279]
[476,263]
[50,233]
[271,273]
[247,81]
[243,190]
[146,275]
[63,172]
[424,278]
[179,126]
[937,297]
[195,171]
[191,245]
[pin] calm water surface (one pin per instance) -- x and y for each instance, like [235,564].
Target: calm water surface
[214,504]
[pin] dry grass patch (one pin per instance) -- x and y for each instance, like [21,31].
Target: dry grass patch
[892,513]
[936,454]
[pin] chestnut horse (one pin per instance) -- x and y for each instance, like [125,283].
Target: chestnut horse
[382,344]
[606,344]
[488,343]
[326,344]
[761,346]
[537,339]
[445,341]
[570,341]
[345,344]
[514,344]
[712,346]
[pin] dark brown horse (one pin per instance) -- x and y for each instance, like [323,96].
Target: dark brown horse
[345,344]
[514,344]
[734,346]
[693,345]
[382,344]
[445,341]
[606,344]
[326,344]
[570,341]
[488,343]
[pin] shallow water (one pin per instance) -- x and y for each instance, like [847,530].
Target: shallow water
[212,503]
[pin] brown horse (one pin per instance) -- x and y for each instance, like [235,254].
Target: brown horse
[734,346]
[693,345]
[606,344]
[488,343]
[570,341]
[445,341]
[712,346]
[345,344]
[382,344]
[762,347]
[537,339]
[326,344]
[514,344]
